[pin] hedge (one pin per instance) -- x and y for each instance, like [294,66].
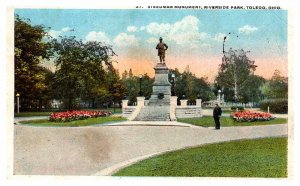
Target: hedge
[275,105]
[234,108]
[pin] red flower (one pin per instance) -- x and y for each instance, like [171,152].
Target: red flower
[248,115]
[76,115]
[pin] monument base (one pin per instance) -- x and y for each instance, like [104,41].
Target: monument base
[161,87]
[158,107]
[154,113]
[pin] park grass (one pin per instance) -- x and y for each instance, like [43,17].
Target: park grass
[208,121]
[32,114]
[245,158]
[112,110]
[77,123]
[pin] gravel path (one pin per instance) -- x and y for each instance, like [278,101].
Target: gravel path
[102,150]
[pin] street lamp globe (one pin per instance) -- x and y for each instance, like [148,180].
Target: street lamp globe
[140,76]
[173,75]
[18,102]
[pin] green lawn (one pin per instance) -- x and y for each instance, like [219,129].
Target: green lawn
[30,114]
[112,110]
[227,111]
[246,158]
[208,121]
[78,123]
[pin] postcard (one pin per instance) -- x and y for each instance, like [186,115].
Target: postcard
[151,91]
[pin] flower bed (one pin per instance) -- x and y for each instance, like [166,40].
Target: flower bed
[76,115]
[251,116]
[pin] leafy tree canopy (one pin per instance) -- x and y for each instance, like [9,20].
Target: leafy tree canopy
[30,49]
[276,87]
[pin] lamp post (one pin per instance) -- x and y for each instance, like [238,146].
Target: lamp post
[140,92]
[219,96]
[18,102]
[173,85]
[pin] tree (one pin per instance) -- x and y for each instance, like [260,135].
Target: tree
[147,83]
[124,75]
[30,49]
[114,85]
[130,74]
[276,87]
[132,87]
[252,92]
[81,70]
[190,86]
[43,89]
[234,71]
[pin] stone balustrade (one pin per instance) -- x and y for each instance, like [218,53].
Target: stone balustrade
[176,111]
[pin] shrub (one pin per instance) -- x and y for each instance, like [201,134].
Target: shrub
[234,108]
[275,105]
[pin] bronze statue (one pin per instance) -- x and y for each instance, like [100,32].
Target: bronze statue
[161,47]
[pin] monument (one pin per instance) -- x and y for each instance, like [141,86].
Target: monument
[161,106]
[161,90]
[158,107]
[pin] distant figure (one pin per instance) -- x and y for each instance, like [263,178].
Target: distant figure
[217,115]
[161,47]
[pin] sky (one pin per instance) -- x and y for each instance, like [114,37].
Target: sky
[194,37]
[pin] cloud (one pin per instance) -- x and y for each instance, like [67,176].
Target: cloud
[132,28]
[219,37]
[158,29]
[142,28]
[247,29]
[125,40]
[184,32]
[67,29]
[152,40]
[56,33]
[97,36]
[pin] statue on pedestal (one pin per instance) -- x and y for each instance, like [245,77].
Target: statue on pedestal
[161,47]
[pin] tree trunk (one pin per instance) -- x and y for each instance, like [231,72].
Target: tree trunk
[70,103]
[235,84]
[40,105]
[93,103]
[235,91]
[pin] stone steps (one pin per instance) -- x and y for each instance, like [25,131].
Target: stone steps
[154,113]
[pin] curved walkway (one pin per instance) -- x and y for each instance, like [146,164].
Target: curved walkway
[102,150]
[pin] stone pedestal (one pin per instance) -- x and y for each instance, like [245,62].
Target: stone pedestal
[174,101]
[124,103]
[161,86]
[198,102]
[183,102]
[173,106]
[140,101]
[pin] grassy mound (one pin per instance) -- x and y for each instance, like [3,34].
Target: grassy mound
[246,158]
[208,121]
[77,123]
